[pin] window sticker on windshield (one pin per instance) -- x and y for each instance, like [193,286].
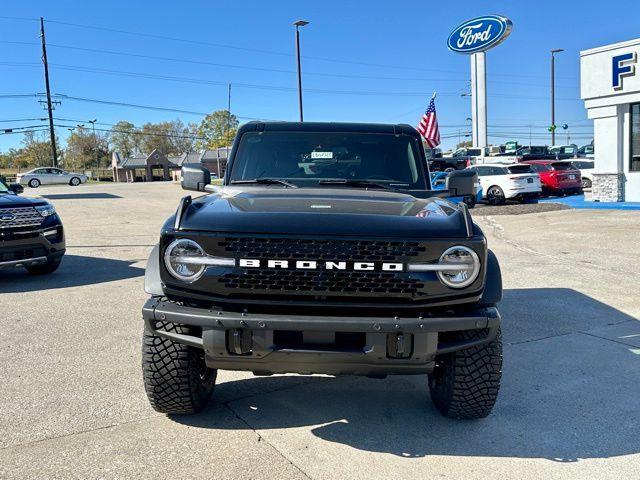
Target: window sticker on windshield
[321,154]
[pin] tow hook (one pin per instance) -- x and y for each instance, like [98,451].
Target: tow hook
[239,341]
[399,345]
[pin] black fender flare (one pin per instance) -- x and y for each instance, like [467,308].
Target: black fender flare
[152,282]
[493,284]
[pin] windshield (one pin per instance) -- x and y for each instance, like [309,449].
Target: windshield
[306,158]
[3,188]
[562,166]
[520,168]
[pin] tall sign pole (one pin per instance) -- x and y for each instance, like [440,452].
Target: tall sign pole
[479,99]
[52,133]
[474,37]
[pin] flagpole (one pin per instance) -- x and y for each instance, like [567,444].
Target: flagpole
[433,97]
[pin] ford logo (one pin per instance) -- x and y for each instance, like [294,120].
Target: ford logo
[7,217]
[479,34]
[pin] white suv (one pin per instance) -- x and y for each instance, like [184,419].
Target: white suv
[508,182]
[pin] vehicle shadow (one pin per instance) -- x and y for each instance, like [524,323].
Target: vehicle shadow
[75,270]
[80,196]
[563,397]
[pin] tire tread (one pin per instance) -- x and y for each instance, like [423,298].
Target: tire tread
[466,383]
[170,373]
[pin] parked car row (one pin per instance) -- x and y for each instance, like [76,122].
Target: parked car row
[500,154]
[525,181]
[508,182]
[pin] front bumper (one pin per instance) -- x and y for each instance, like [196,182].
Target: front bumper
[389,345]
[25,247]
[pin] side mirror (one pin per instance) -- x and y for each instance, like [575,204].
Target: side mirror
[195,177]
[461,183]
[16,188]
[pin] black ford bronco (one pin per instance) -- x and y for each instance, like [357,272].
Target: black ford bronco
[324,251]
[31,232]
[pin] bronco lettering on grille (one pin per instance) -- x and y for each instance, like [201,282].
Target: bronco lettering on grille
[317,265]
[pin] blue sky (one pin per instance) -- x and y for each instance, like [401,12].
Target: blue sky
[362,61]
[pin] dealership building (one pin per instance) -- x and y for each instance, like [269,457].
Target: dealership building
[610,88]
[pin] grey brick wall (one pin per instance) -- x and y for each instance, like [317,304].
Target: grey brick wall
[608,187]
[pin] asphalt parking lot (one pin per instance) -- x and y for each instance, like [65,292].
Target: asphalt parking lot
[73,406]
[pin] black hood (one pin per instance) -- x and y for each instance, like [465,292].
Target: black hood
[9,200]
[324,211]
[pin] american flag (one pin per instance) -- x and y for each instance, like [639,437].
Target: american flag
[428,126]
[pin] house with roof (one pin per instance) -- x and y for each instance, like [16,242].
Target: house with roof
[157,166]
[141,167]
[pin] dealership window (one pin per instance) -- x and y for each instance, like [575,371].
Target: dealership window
[634,164]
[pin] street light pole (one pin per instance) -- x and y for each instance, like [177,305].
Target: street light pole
[553,94]
[95,147]
[298,24]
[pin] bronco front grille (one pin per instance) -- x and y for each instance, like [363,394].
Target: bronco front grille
[321,282]
[20,217]
[332,250]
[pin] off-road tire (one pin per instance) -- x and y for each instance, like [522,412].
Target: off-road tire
[176,379]
[465,384]
[46,268]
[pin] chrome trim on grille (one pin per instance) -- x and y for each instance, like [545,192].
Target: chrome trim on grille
[438,267]
[23,217]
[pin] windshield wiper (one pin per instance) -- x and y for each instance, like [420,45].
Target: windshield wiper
[355,183]
[264,181]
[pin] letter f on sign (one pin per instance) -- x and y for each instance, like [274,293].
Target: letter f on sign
[623,66]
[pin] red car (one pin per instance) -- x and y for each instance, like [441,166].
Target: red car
[558,178]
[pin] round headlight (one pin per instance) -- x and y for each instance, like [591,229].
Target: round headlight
[183,259]
[465,267]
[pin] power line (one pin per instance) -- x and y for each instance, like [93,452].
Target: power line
[4,17]
[263,69]
[23,120]
[242,67]
[242,85]
[25,131]
[269,52]
[18,95]
[146,107]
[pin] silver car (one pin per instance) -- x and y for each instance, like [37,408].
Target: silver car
[50,176]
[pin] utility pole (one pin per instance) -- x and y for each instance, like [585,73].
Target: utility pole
[228,131]
[52,133]
[80,128]
[95,147]
[553,94]
[298,24]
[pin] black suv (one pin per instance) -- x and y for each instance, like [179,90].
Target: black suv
[31,233]
[324,251]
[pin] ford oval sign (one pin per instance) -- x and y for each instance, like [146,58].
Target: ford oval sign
[479,34]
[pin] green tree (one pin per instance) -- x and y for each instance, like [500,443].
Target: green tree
[82,149]
[36,151]
[124,138]
[183,136]
[8,159]
[217,130]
